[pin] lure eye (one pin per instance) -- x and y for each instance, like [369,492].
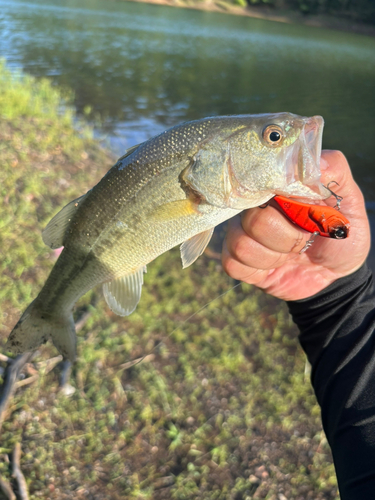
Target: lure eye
[273,135]
[339,233]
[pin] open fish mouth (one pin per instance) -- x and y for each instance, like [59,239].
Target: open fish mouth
[302,158]
[313,132]
[311,147]
[309,154]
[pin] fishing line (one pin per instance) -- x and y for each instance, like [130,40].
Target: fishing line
[186,320]
[137,361]
[134,362]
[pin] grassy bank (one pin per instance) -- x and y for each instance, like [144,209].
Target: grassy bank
[221,409]
[283,13]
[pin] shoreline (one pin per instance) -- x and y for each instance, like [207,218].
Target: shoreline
[286,16]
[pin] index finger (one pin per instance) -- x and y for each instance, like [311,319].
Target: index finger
[273,230]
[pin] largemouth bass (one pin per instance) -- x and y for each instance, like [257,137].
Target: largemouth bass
[172,189]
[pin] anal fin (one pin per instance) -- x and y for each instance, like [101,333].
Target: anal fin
[123,294]
[192,248]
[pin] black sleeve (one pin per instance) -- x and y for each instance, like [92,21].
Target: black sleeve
[337,334]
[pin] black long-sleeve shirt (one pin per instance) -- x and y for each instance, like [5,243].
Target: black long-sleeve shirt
[337,329]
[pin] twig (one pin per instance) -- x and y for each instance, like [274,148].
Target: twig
[49,364]
[30,369]
[9,386]
[212,254]
[17,473]
[163,482]
[7,489]
[129,364]
[4,358]
[82,320]
[13,371]
[26,381]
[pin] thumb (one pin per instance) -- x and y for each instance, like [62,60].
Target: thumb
[335,169]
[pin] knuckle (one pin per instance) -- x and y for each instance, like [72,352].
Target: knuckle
[335,155]
[229,265]
[339,156]
[240,248]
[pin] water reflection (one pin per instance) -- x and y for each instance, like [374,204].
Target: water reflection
[144,67]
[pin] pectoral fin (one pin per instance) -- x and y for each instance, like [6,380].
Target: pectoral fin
[53,234]
[123,294]
[192,248]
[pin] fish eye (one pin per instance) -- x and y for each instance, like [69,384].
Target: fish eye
[339,233]
[273,135]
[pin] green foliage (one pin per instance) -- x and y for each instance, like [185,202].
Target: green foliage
[362,10]
[244,3]
[359,10]
[222,410]
[261,2]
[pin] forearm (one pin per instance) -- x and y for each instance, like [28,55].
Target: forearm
[338,335]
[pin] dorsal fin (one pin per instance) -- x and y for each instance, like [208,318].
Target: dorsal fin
[123,294]
[129,151]
[53,234]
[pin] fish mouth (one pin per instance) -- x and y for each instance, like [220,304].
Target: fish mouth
[309,154]
[312,135]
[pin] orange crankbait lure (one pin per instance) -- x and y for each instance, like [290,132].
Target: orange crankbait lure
[317,219]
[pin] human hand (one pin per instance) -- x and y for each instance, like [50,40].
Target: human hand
[262,246]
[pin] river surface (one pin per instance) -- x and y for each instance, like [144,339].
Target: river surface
[141,68]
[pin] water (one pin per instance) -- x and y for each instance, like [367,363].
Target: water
[142,68]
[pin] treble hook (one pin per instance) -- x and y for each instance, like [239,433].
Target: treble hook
[338,198]
[309,242]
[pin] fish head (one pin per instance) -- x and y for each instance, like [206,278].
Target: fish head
[277,154]
[255,157]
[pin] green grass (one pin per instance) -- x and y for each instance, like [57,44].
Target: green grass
[222,411]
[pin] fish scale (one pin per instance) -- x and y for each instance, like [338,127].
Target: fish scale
[172,189]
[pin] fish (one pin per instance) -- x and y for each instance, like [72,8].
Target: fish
[171,189]
[321,219]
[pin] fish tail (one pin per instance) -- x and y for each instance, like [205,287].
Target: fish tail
[35,327]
